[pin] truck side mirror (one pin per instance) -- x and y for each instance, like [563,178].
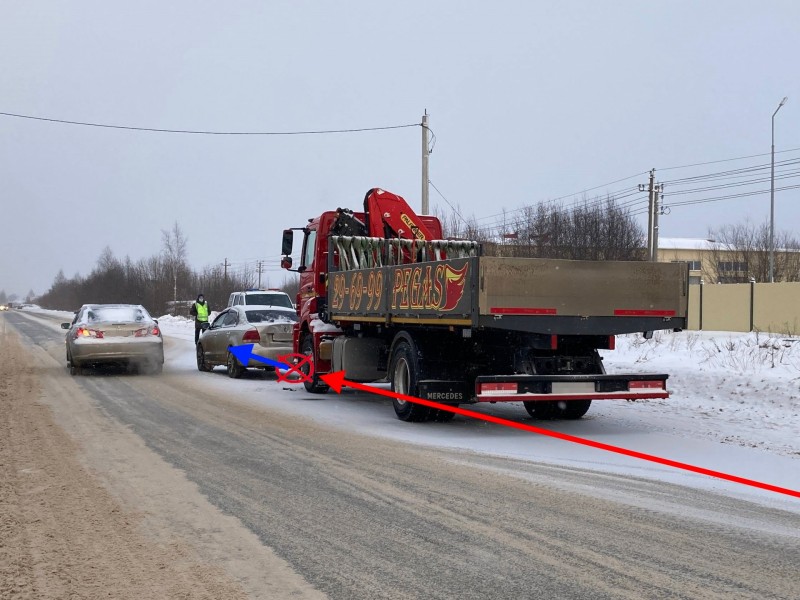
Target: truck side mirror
[286,262]
[286,245]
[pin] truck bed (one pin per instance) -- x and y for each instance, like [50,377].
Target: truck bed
[546,296]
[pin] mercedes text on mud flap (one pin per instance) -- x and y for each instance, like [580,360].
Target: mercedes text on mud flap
[382,296]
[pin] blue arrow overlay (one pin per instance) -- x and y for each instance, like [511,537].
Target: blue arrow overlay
[244,354]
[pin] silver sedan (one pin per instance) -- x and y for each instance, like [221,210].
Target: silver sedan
[114,334]
[268,328]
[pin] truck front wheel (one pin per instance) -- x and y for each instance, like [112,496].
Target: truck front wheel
[405,374]
[314,384]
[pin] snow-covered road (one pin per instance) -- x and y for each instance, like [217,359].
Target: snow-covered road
[735,408]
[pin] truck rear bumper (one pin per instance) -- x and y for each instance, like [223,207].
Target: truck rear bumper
[531,388]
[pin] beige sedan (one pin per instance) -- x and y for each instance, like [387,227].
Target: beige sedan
[268,328]
[114,334]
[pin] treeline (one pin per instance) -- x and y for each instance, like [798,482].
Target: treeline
[598,229]
[154,282]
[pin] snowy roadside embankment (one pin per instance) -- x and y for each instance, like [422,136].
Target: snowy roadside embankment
[740,388]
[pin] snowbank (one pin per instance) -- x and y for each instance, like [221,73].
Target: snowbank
[739,388]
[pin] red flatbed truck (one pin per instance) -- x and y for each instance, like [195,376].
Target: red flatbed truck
[383,297]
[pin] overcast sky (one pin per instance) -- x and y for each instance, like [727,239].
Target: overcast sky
[529,101]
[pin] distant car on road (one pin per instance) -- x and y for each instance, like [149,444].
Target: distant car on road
[267,327]
[274,298]
[114,334]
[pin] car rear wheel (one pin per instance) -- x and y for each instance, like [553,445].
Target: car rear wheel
[235,368]
[202,365]
[72,367]
[155,368]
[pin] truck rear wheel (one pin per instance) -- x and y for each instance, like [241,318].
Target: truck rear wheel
[405,373]
[575,409]
[543,410]
[315,385]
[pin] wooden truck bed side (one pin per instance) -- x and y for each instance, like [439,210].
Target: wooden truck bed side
[546,296]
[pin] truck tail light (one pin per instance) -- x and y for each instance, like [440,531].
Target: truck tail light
[85,332]
[612,342]
[498,389]
[646,384]
[251,335]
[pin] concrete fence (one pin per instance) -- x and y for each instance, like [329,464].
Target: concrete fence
[769,307]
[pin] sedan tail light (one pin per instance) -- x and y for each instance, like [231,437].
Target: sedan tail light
[88,333]
[251,335]
[145,331]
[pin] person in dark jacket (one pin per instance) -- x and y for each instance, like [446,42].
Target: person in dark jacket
[199,311]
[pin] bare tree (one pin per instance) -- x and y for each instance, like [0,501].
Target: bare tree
[174,244]
[456,226]
[291,286]
[596,229]
[741,252]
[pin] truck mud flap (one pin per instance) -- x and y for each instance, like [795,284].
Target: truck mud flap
[527,388]
[444,392]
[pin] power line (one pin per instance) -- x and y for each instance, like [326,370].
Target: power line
[719,198]
[203,132]
[455,210]
[500,225]
[569,195]
[712,162]
[722,186]
[733,173]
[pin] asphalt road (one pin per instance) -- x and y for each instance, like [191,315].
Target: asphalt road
[364,517]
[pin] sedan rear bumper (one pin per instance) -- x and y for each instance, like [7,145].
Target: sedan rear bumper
[112,350]
[270,352]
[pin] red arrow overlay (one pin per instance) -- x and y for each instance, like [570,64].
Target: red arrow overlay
[337,381]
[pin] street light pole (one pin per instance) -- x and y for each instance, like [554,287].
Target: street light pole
[772,199]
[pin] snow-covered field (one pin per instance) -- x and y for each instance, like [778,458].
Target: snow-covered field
[735,408]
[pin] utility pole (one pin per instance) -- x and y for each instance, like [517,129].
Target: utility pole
[425,154]
[654,209]
[260,265]
[657,211]
[225,265]
[650,212]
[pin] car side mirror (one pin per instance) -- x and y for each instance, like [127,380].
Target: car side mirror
[66,325]
[287,242]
